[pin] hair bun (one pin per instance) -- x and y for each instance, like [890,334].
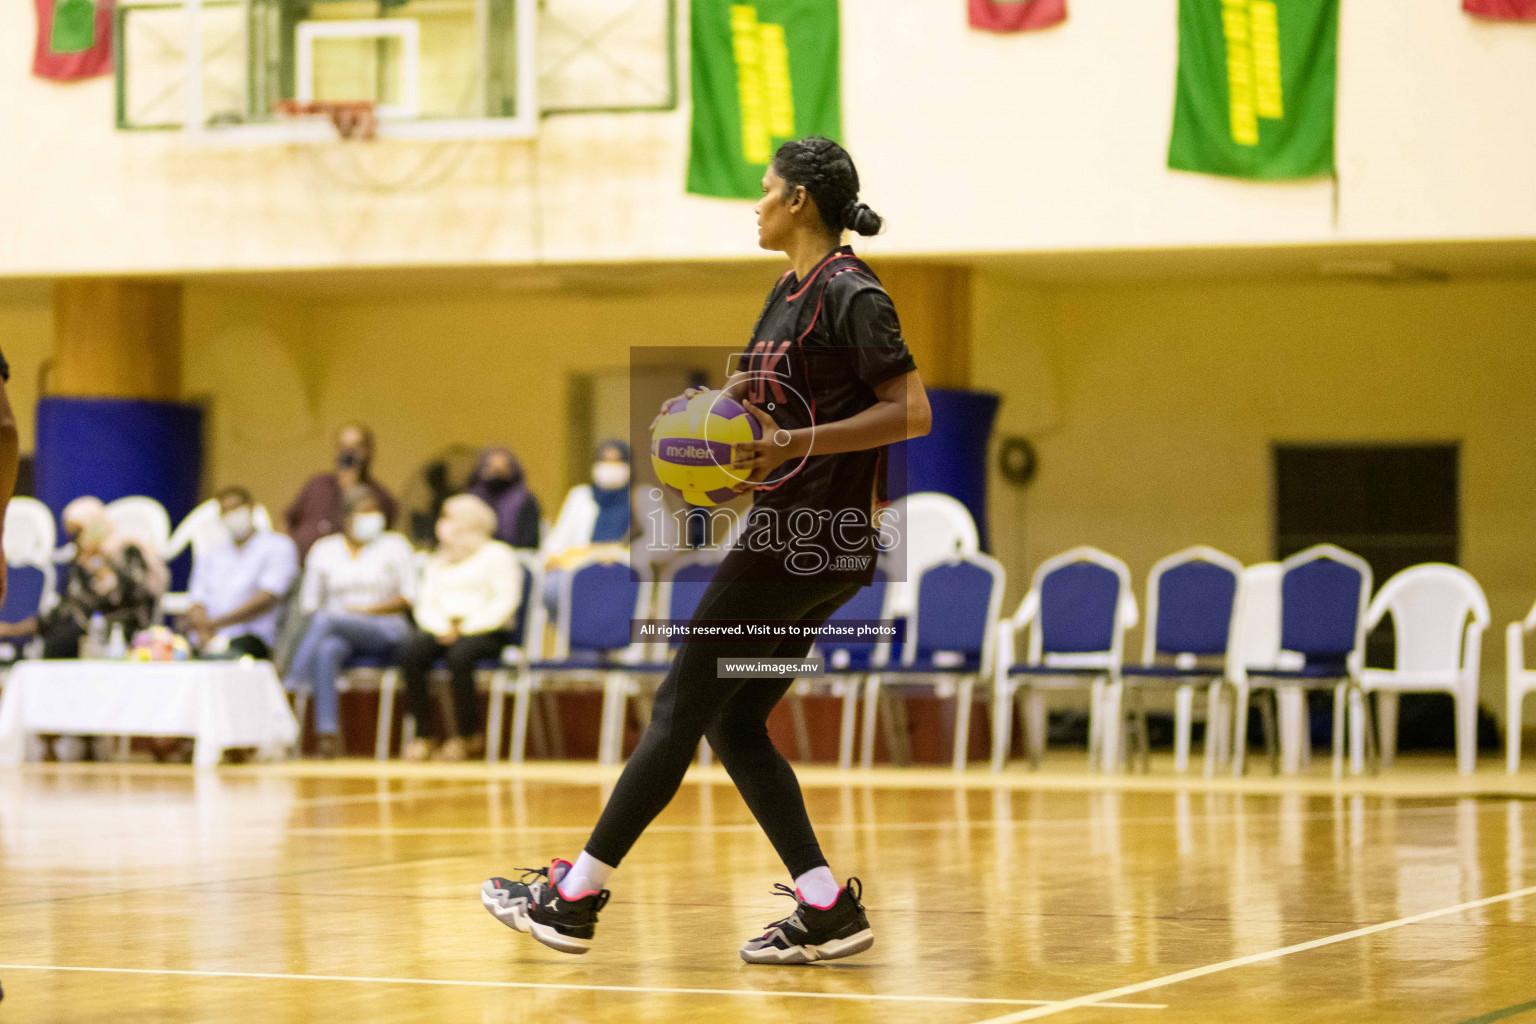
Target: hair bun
[859,218]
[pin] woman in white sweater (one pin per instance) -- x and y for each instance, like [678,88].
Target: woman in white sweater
[470,589]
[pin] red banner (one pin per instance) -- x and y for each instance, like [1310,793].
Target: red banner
[74,39]
[1017,15]
[1504,10]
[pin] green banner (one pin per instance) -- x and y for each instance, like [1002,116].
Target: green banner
[74,26]
[1256,88]
[764,71]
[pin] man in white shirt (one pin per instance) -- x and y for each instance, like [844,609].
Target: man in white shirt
[238,584]
[358,585]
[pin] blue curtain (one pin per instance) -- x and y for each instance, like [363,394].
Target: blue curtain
[115,447]
[952,458]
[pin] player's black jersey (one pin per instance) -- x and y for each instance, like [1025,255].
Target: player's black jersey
[818,350]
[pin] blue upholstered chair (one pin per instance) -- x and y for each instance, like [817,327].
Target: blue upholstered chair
[950,643]
[1078,609]
[1324,592]
[1191,640]
[846,662]
[598,599]
[526,629]
[678,594]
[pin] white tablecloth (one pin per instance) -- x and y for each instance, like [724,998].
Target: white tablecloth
[220,704]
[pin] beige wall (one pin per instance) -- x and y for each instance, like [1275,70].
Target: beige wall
[426,371]
[1152,405]
[26,338]
[1167,397]
[968,141]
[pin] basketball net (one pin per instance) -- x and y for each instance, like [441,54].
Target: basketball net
[353,119]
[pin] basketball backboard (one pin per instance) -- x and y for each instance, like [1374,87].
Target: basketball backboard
[432,69]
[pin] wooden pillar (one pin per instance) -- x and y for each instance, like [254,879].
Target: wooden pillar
[117,338]
[934,303]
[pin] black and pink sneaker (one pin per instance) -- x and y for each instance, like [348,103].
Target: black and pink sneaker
[560,923]
[508,900]
[814,933]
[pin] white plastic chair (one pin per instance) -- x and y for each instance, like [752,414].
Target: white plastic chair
[1258,631]
[200,530]
[30,533]
[142,519]
[204,527]
[1520,681]
[933,527]
[1042,670]
[1438,614]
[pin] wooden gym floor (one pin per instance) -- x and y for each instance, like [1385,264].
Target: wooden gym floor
[348,892]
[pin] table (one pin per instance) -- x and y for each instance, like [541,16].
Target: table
[220,704]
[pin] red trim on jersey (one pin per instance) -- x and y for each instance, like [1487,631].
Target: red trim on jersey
[800,349]
[812,277]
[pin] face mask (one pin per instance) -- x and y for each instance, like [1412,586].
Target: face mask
[349,458]
[497,485]
[367,526]
[610,475]
[239,522]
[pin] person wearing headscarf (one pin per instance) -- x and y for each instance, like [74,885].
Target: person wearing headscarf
[111,575]
[470,590]
[498,481]
[358,585]
[596,517]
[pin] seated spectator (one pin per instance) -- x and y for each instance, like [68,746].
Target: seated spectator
[357,587]
[499,482]
[238,584]
[470,590]
[595,517]
[111,575]
[317,511]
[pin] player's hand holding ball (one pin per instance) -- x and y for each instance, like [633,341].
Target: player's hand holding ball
[774,447]
[697,446]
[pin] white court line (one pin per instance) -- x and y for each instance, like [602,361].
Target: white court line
[389,796]
[462,983]
[948,824]
[1096,999]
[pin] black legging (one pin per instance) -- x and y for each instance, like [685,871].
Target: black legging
[693,701]
[416,659]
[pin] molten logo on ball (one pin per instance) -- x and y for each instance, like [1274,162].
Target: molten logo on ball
[692,447]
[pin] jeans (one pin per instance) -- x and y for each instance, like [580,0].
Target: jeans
[332,639]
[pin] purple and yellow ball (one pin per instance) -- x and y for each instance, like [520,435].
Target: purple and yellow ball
[693,446]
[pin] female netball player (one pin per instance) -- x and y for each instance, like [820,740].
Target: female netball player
[830,380]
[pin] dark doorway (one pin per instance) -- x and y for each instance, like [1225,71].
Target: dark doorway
[1393,505]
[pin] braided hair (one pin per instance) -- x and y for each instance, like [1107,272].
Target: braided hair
[827,173]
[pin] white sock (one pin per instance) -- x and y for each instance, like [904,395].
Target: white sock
[818,887]
[588,874]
